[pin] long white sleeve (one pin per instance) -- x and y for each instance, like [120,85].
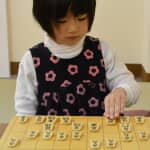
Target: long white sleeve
[116,73]
[26,87]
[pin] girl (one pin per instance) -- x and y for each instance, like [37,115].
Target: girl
[71,73]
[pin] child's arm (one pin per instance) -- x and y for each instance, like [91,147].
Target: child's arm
[26,87]
[124,89]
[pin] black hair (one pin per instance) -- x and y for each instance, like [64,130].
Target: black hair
[47,12]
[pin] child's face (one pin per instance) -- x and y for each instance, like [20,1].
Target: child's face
[70,29]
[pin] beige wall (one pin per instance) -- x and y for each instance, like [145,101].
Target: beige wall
[146,52]
[23,31]
[120,22]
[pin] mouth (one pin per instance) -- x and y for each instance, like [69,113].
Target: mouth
[73,37]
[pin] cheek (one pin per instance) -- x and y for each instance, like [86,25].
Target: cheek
[84,27]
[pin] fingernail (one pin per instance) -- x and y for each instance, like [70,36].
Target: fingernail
[116,115]
[111,117]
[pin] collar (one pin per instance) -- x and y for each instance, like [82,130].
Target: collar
[63,51]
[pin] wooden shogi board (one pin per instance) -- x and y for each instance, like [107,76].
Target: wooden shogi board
[76,133]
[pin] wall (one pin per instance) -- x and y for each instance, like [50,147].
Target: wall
[23,31]
[146,52]
[120,22]
[4,58]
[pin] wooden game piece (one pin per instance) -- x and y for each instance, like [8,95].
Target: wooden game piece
[48,126]
[94,144]
[127,137]
[124,119]
[93,126]
[126,128]
[22,119]
[143,136]
[110,121]
[48,135]
[65,120]
[111,143]
[12,142]
[76,126]
[39,119]
[76,135]
[32,134]
[139,119]
[61,136]
[51,119]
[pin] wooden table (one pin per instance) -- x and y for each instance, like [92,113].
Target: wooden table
[127,113]
[2,128]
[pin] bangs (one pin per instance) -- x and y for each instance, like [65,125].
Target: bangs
[77,7]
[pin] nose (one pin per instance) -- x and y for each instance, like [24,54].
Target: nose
[73,25]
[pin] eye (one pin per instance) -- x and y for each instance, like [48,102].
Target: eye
[82,17]
[61,21]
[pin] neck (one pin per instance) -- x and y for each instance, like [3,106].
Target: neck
[63,51]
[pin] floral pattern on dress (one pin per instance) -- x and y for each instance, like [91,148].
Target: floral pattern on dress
[66,111]
[102,62]
[71,87]
[88,54]
[81,89]
[50,76]
[93,102]
[54,59]
[82,111]
[66,83]
[93,71]
[45,98]
[52,111]
[56,97]
[73,69]
[70,98]
[36,61]
[102,87]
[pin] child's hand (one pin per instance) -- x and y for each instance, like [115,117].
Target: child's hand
[115,103]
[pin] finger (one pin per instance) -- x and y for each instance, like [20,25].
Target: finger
[112,107]
[117,107]
[122,104]
[107,105]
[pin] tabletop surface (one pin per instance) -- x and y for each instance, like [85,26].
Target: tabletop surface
[76,132]
[2,128]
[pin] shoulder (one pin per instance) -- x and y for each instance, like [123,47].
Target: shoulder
[107,51]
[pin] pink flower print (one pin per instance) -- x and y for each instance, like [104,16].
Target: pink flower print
[54,59]
[93,102]
[93,70]
[73,69]
[36,61]
[82,111]
[102,87]
[66,83]
[88,54]
[86,81]
[55,97]
[99,47]
[102,62]
[44,99]
[50,76]
[66,111]
[80,89]
[52,112]
[70,98]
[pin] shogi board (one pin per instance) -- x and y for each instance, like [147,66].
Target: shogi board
[76,133]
